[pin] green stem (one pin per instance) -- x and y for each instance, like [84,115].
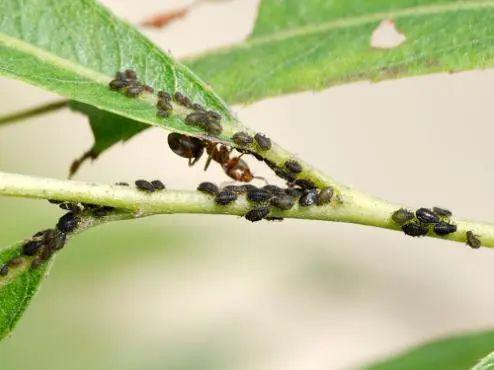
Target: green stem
[351,206]
[25,114]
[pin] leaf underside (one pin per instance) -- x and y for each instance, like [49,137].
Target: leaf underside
[16,293]
[454,353]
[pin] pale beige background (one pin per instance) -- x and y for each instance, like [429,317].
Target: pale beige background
[422,141]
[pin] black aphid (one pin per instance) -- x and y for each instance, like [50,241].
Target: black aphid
[31,247]
[4,270]
[144,185]
[242,138]
[158,185]
[182,99]
[283,201]
[213,127]
[130,74]
[164,105]
[294,192]
[426,216]
[102,211]
[308,198]
[68,222]
[415,229]
[325,196]
[208,188]
[198,107]
[293,166]
[164,95]
[305,184]
[237,189]
[213,116]
[134,90]
[257,214]
[197,119]
[442,212]
[163,113]
[263,141]
[402,216]
[122,183]
[224,197]
[473,240]
[273,189]
[259,195]
[148,88]
[117,84]
[444,228]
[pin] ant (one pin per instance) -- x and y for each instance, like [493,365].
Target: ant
[193,148]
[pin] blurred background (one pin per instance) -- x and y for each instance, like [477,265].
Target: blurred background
[214,292]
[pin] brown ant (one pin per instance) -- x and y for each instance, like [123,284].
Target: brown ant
[192,148]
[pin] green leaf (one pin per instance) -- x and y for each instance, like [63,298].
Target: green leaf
[17,288]
[312,44]
[454,353]
[75,47]
[487,363]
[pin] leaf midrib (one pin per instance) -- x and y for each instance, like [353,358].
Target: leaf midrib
[353,22]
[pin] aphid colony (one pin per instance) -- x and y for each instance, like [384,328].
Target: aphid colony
[206,120]
[268,197]
[42,245]
[419,223]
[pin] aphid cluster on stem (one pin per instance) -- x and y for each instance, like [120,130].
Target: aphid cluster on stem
[420,222]
[128,83]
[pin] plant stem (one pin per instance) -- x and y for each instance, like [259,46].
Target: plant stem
[28,113]
[352,206]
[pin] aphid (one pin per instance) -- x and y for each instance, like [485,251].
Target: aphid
[213,116]
[130,74]
[237,189]
[325,196]
[263,141]
[102,211]
[426,216]
[305,184]
[259,195]
[198,107]
[197,119]
[122,183]
[283,201]
[158,185]
[117,84]
[273,189]
[415,229]
[208,188]
[444,228]
[225,197]
[68,222]
[402,215]
[164,105]
[257,214]
[68,206]
[242,138]
[442,212]
[134,91]
[186,147]
[293,166]
[148,88]
[163,95]
[182,99]
[308,198]
[54,201]
[144,185]
[213,128]
[294,192]
[31,247]
[163,113]
[4,270]
[473,240]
